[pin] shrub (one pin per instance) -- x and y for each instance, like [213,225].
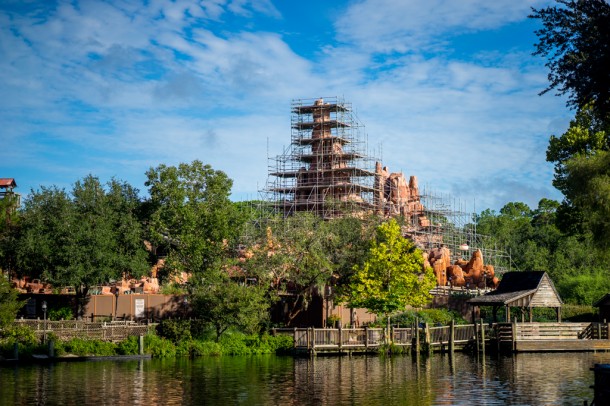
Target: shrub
[175,330]
[205,348]
[63,313]
[159,347]
[234,344]
[79,346]
[130,346]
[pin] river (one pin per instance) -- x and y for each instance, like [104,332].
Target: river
[522,379]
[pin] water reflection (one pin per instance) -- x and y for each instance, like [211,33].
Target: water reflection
[549,379]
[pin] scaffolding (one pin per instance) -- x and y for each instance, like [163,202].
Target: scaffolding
[326,169]
[450,225]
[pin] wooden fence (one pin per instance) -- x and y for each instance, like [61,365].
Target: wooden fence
[364,339]
[106,331]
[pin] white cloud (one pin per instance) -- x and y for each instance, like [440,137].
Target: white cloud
[414,25]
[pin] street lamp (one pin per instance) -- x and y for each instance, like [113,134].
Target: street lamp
[44,317]
[116,302]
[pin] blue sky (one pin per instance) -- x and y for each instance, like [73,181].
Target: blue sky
[448,90]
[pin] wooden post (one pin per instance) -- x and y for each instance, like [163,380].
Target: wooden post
[366,338]
[340,337]
[476,336]
[427,338]
[508,314]
[514,334]
[141,345]
[531,314]
[482,337]
[452,337]
[607,331]
[599,331]
[294,337]
[417,349]
[559,315]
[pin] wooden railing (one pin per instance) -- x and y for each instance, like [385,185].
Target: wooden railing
[67,329]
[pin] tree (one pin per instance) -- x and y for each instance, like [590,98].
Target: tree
[192,217]
[576,40]
[83,239]
[9,304]
[293,259]
[227,303]
[392,276]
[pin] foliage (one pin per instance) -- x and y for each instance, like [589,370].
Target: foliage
[130,346]
[83,347]
[229,304]
[9,304]
[9,230]
[392,276]
[578,269]
[82,239]
[18,334]
[175,330]
[298,256]
[191,216]
[576,40]
[430,316]
[63,313]
[159,347]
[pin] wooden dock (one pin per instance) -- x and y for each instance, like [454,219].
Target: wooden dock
[501,337]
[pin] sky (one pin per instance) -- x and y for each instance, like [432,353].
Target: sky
[447,90]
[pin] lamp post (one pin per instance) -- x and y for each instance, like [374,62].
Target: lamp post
[116,301]
[44,318]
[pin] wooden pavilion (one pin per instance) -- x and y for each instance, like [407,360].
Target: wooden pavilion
[604,307]
[524,290]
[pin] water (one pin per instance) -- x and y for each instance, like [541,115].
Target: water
[523,379]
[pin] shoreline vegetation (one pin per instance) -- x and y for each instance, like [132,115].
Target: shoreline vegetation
[178,338]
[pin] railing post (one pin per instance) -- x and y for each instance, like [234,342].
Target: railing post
[294,337]
[607,331]
[366,338]
[417,349]
[340,338]
[599,331]
[141,345]
[514,334]
[452,337]
[427,338]
[476,337]
[482,337]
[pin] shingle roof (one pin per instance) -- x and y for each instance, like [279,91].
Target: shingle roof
[7,182]
[513,286]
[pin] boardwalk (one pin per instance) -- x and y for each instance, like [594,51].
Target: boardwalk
[501,337]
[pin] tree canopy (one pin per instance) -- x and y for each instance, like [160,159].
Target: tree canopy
[392,275]
[575,38]
[192,217]
[84,238]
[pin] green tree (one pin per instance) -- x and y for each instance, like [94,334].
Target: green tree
[293,259]
[84,239]
[192,217]
[9,304]
[229,304]
[392,276]
[575,38]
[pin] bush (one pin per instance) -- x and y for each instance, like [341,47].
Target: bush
[175,330]
[430,316]
[234,344]
[159,347]
[82,347]
[19,334]
[130,346]
[205,348]
[63,313]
